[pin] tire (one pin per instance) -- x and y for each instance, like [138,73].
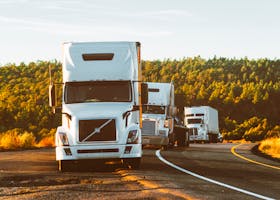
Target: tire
[164,147]
[187,139]
[64,165]
[213,138]
[132,163]
[209,137]
[171,140]
[180,135]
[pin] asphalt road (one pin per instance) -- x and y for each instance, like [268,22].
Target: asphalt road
[32,174]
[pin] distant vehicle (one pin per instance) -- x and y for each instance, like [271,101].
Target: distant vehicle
[202,123]
[101,104]
[158,115]
[181,134]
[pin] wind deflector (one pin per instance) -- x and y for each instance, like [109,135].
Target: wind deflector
[98,56]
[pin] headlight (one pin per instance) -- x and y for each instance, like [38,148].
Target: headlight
[62,139]
[132,137]
[162,132]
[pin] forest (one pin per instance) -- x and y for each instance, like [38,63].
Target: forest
[245,92]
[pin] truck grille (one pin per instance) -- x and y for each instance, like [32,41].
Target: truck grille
[193,131]
[149,127]
[97,130]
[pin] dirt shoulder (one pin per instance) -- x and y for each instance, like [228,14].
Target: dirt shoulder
[255,150]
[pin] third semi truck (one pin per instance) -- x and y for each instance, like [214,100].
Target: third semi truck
[202,123]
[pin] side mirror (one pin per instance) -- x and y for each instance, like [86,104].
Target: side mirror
[134,108]
[174,111]
[52,96]
[144,93]
[56,110]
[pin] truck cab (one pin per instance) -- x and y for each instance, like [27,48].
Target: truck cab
[202,123]
[158,115]
[101,103]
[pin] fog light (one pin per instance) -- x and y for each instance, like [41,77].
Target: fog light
[127,149]
[68,151]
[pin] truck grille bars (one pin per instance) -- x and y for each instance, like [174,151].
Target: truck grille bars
[193,131]
[97,130]
[149,127]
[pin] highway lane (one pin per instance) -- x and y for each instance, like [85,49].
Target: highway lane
[33,174]
[216,161]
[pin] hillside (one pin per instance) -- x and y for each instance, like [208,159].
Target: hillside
[24,100]
[245,92]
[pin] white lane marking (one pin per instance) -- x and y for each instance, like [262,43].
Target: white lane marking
[210,180]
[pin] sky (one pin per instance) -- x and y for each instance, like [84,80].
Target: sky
[33,30]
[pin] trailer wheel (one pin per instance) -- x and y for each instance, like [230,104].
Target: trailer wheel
[213,138]
[132,163]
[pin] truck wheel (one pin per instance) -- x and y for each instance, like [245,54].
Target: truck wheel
[216,138]
[64,165]
[164,147]
[209,137]
[187,140]
[171,140]
[213,138]
[132,163]
[181,141]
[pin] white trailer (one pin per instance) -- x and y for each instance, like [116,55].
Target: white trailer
[101,104]
[158,115]
[202,123]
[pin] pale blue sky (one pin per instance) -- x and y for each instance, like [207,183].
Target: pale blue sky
[32,30]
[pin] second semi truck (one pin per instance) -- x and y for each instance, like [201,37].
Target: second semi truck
[158,115]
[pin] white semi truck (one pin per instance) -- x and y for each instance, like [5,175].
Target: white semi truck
[202,123]
[158,115]
[101,103]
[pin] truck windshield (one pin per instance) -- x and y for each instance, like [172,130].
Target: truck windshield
[153,109]
[97,91]
[195,121]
